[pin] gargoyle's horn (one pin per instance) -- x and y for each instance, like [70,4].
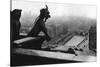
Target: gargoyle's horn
[46,7]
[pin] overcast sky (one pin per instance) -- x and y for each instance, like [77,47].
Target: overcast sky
[56,9]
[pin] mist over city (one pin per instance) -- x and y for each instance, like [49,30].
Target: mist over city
[63,17]
[58,25]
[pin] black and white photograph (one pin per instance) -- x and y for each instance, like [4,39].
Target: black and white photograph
[44,33]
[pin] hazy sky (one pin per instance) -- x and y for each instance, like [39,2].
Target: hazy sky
[56,9]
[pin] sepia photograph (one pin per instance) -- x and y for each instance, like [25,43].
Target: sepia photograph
[43,33]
